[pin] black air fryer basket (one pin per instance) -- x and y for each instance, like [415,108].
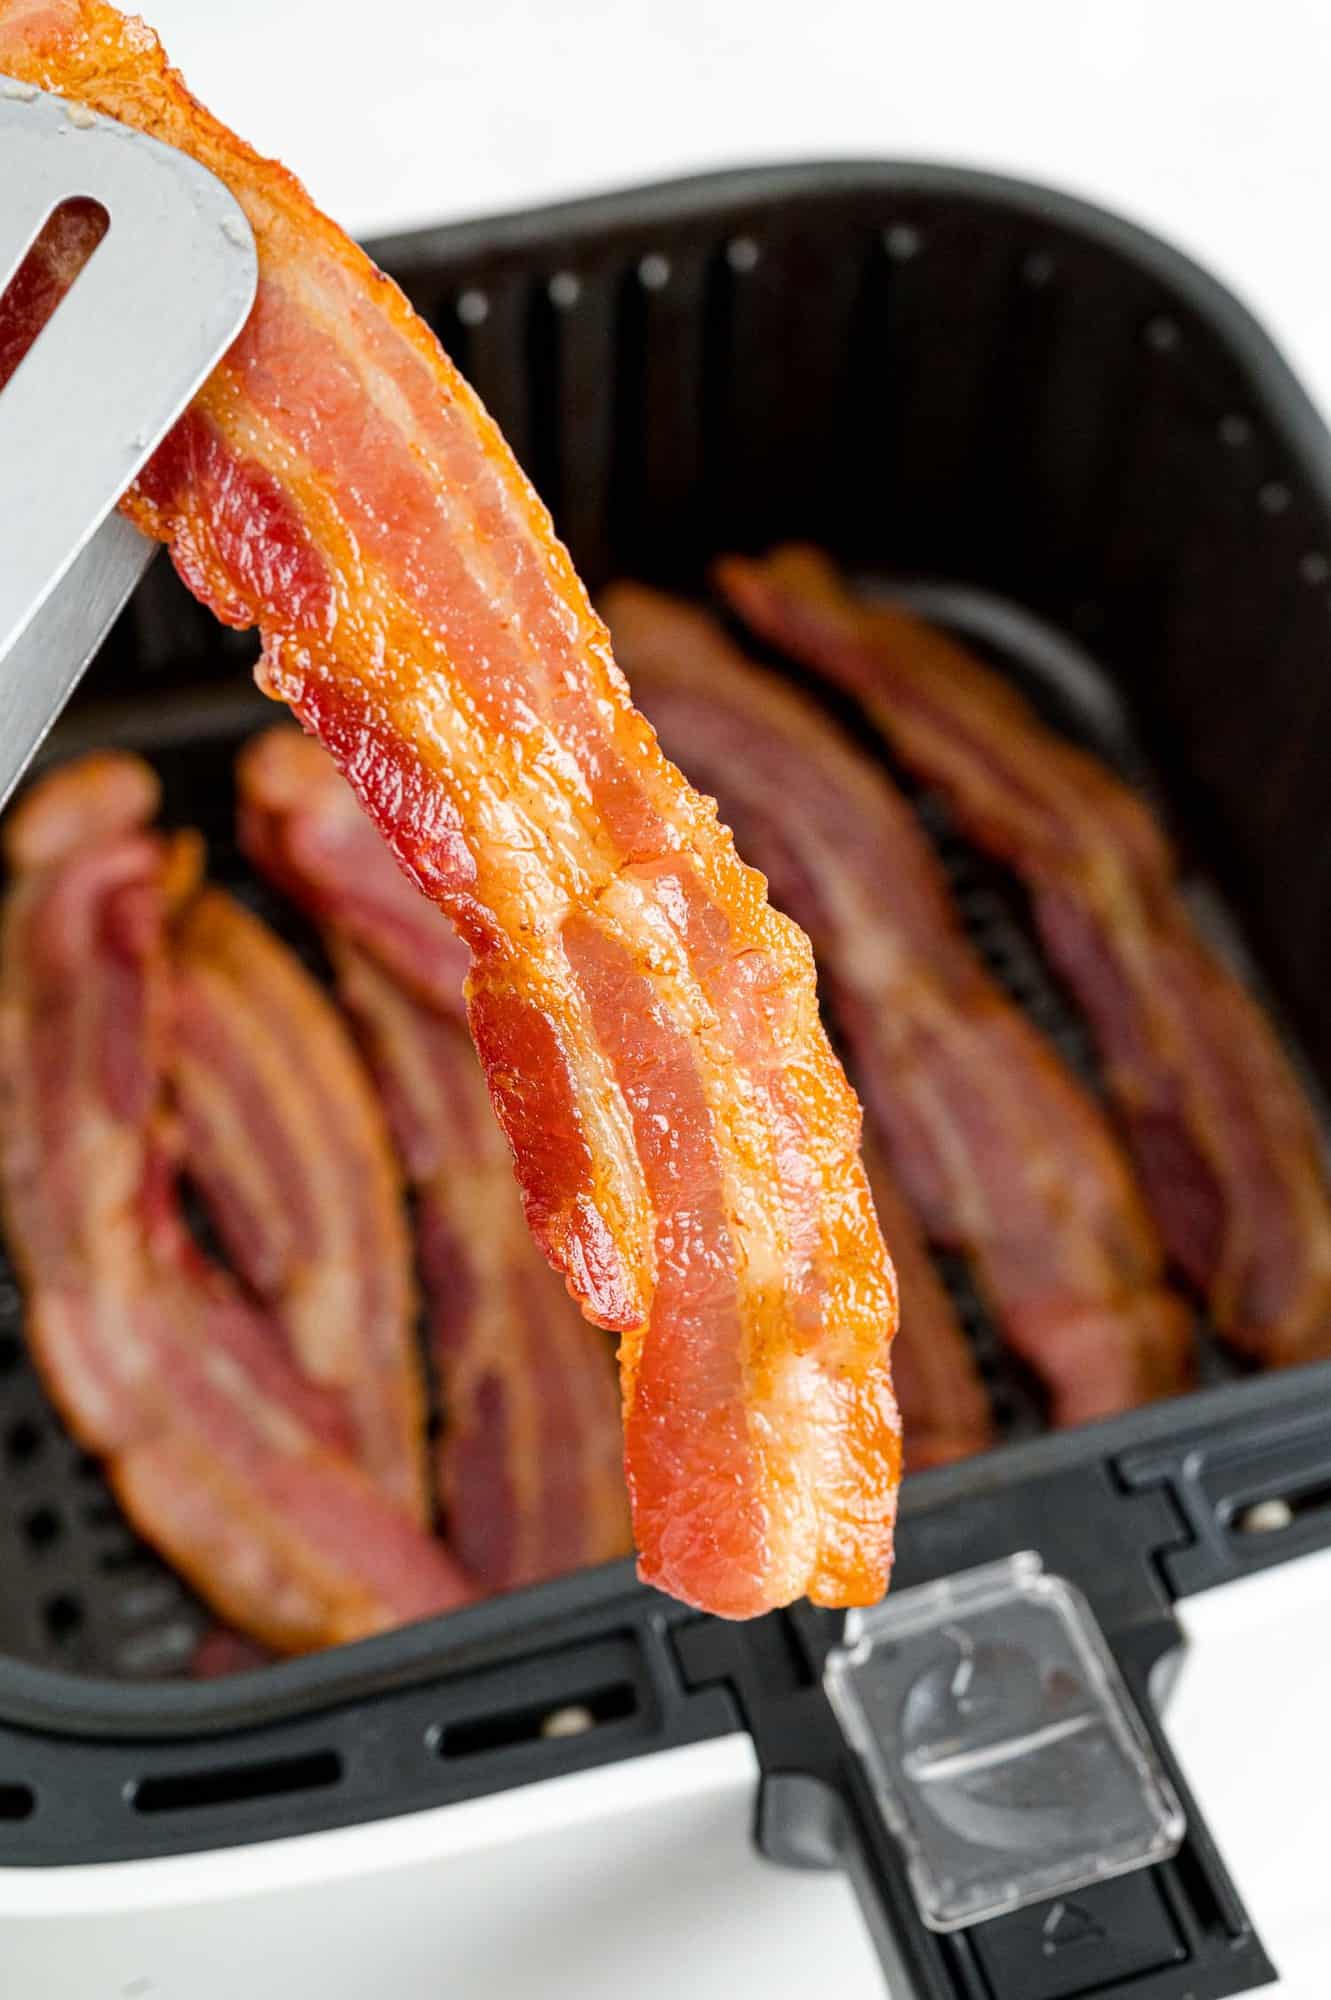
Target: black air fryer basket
[1062,437]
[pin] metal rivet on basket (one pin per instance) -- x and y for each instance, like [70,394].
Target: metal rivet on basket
[1274,497]
[473,308]
[901,240]
[654,271]
[742,253]
[1162,333]
[1038,268]
[565,289]
[1314,567]
[575,1720]
[1234,430]
[1265,1517]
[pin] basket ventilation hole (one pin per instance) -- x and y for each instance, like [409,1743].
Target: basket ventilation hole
[23,1442]
[63,1617]
[17,1801]
[1281,1510]
[235,1784]
[11,1353]
[576,1716]
[42,1527]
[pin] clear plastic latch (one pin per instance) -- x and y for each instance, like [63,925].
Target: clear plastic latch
[1005,1752]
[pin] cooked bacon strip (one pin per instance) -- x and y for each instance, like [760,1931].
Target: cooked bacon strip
[61,249]
[220,1652]
[301,824]
[996,1147]
[945,1412]
[223,1456]
[1223,1136]
[686,1142]
[287,1143]
[528,1464]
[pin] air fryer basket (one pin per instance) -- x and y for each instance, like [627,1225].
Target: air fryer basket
[1069,442]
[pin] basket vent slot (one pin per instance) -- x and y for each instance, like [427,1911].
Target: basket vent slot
[573,1715]
[1282,1510]
[235,1784]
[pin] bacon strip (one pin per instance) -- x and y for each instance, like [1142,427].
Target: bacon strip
[220,1652]
[528,1464]
[528,1467]
[945,1412]
[337,484]
[301,824]
[61,249]
[223,1456]
[995,1146]
[1223,1136]
[287,1144]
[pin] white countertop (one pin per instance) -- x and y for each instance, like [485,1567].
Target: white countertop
[1207,122]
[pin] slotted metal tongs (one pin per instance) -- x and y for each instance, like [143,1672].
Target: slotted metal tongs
[160,298]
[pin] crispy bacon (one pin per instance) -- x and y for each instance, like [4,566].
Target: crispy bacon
[220,1652]
[337,484]
[528,1463]
[996,1147]
[224,1457]
[1223,1136]
[287,1144]
[61,249]
[945,1412]
[301,824]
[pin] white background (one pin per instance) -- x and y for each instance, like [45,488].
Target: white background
[1209,120]
[1206,119]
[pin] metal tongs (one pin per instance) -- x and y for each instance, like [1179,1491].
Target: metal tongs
[150,313]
